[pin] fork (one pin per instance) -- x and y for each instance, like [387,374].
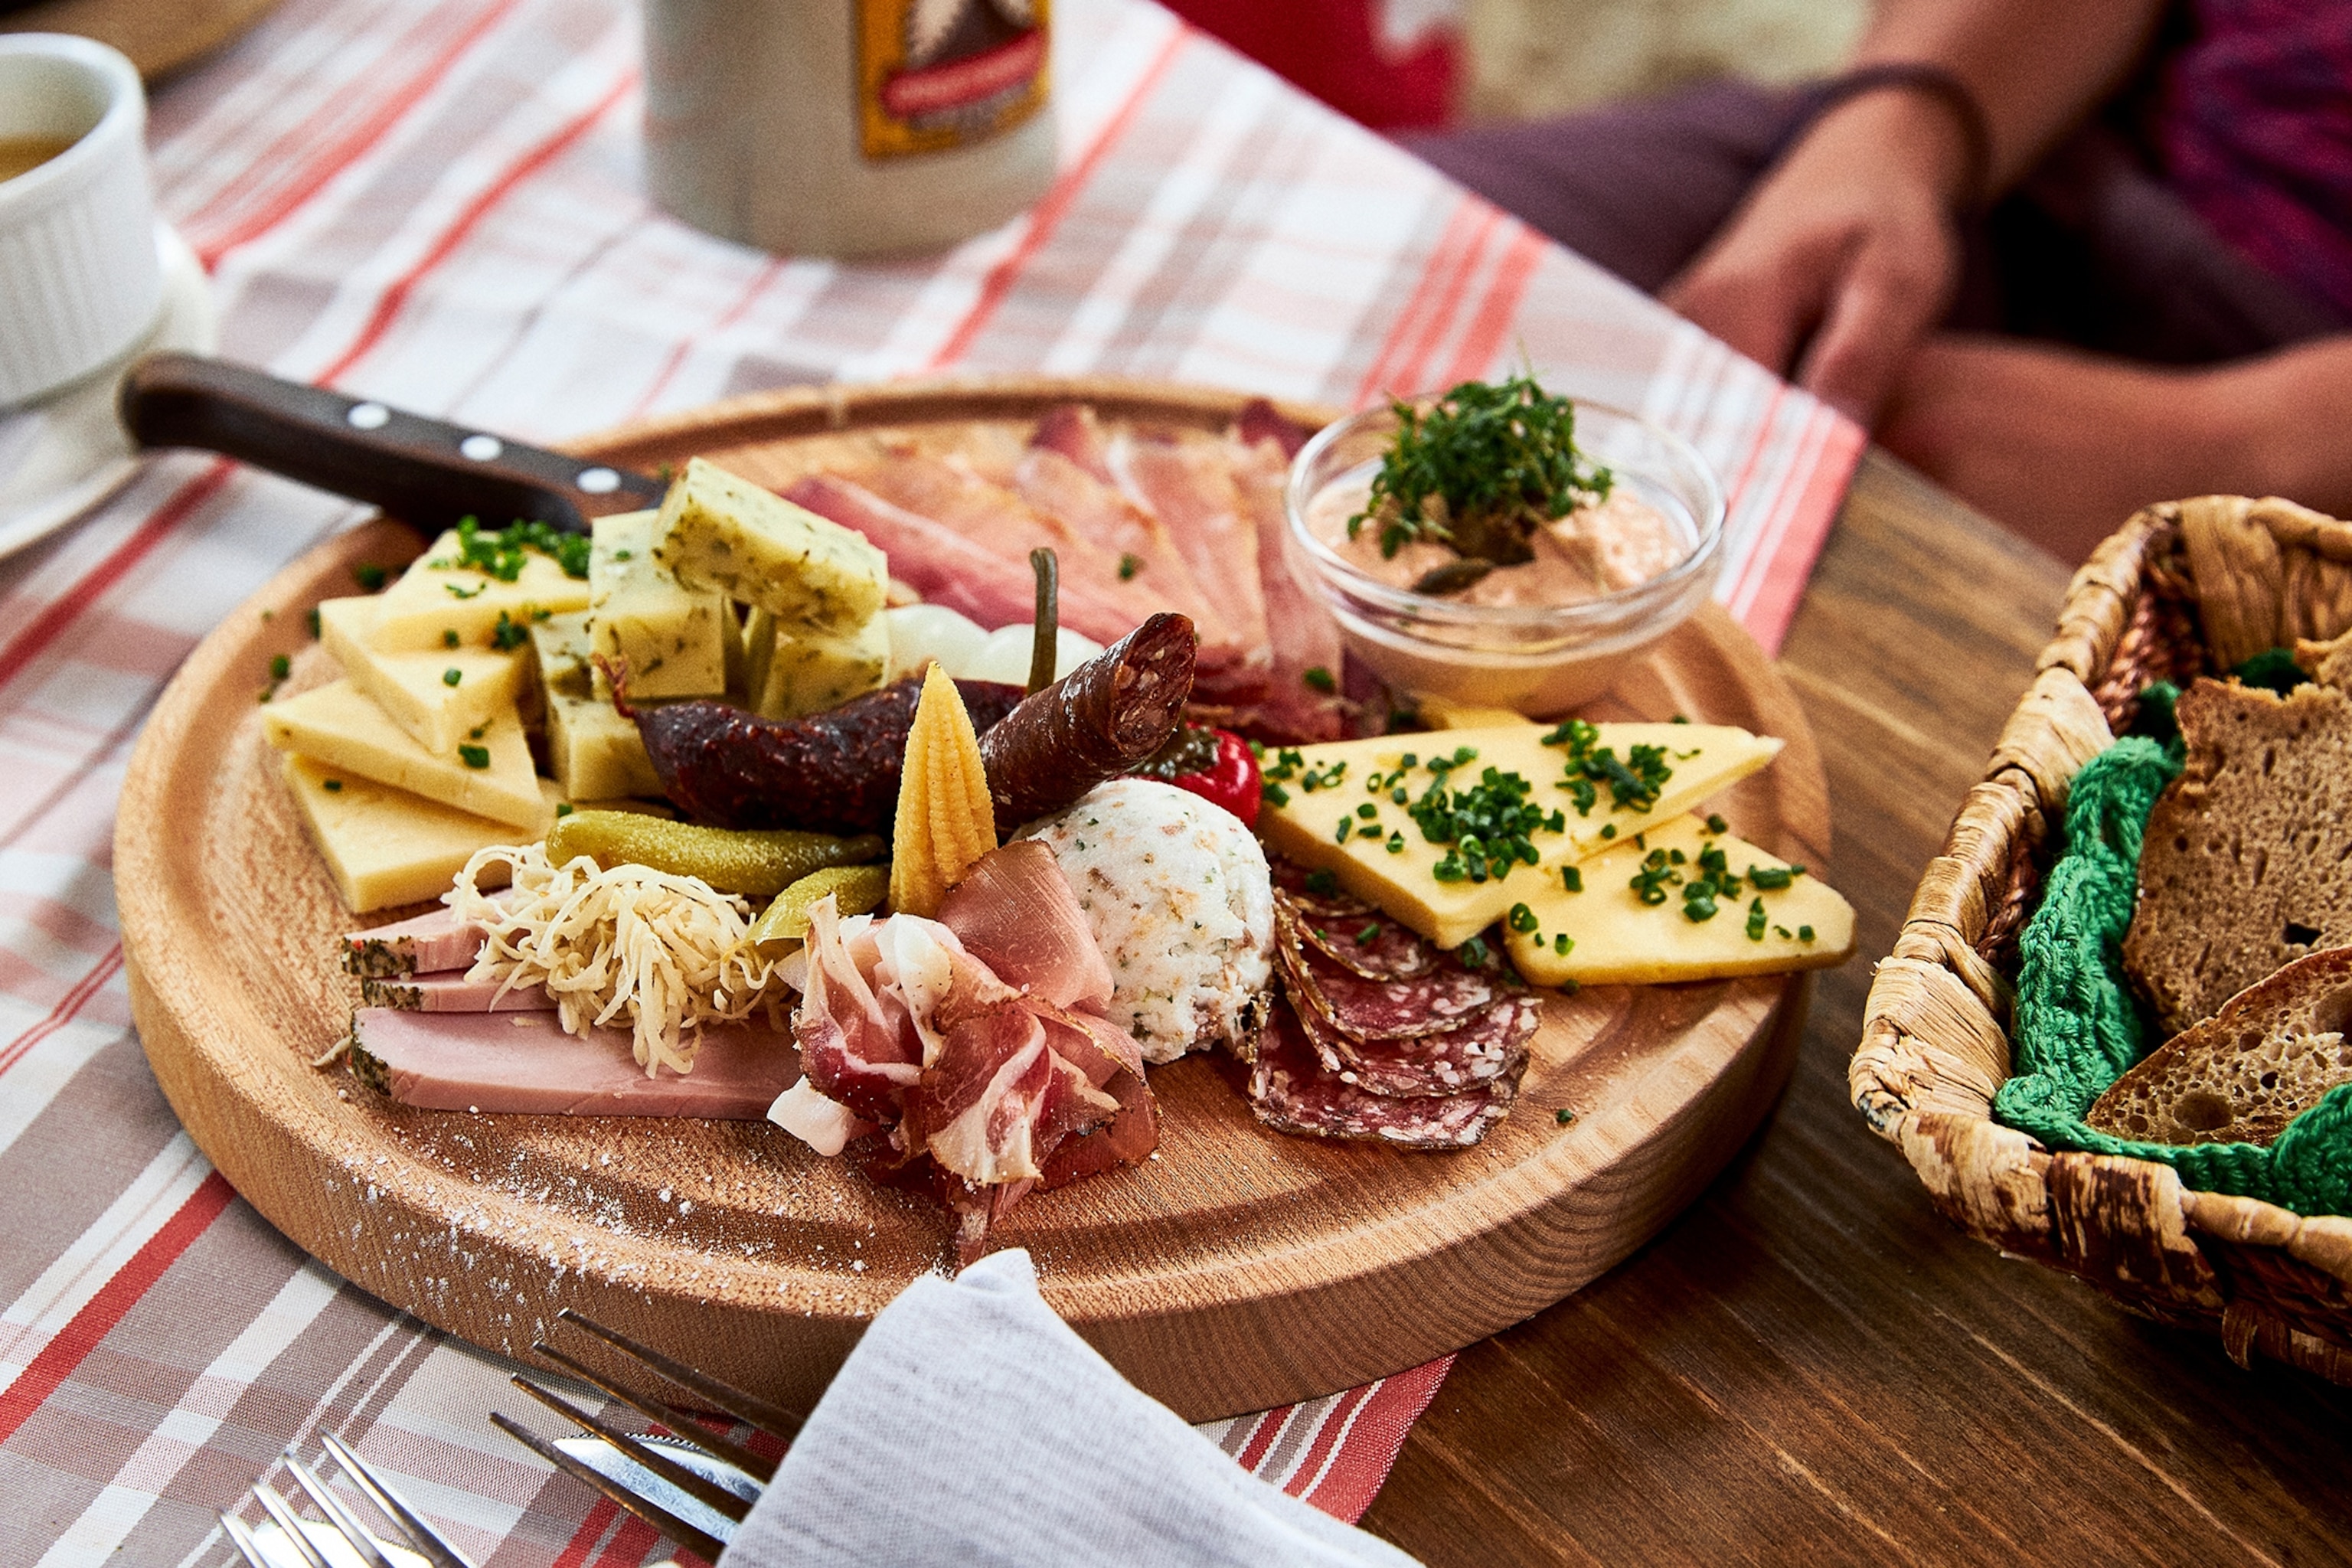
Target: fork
[693,1486]
[286,1539]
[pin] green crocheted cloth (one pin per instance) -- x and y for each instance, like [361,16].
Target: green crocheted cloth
[2078,1026]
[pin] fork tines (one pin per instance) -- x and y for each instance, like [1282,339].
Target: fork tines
[418,1540]
[721,1505]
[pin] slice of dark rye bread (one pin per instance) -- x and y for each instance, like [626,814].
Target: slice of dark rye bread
[2247,863]
[2271,1052]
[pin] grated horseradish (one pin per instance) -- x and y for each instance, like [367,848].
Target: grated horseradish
[664,952]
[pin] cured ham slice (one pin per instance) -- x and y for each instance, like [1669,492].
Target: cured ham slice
[437,939]
[525,1063]
[975,1039]
[1008,527]
[1072,430]
[1138,541]
[1189,485]
[947,568]
[450,991]
[856,1046]
[1304,635]
[1014,912]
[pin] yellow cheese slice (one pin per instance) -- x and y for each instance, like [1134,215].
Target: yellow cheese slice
[1382,855]
[339,725]
[384,845]
[1444,713]
[723,532]
[1616,939]
[438,604]
[415,688]
[594,754]
[560,645]
[674,641]
[810,673]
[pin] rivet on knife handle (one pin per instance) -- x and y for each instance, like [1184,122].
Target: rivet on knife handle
[427,472]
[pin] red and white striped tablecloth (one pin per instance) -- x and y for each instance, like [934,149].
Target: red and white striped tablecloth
[437,203]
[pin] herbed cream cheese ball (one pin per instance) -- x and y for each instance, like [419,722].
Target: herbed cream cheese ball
[1177,893]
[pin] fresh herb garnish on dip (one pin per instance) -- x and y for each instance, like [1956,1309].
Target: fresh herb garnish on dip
[1481,472]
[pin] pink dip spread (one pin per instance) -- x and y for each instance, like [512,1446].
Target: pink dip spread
[1594,551]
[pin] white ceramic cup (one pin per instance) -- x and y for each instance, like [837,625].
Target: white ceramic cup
[80,278]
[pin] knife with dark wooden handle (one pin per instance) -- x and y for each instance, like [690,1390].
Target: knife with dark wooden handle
[427,472]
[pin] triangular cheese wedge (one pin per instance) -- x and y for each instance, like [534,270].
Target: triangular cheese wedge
[1615,936]
[439,605]
[386,847]
[1384,856]
[415,688]
[339,725]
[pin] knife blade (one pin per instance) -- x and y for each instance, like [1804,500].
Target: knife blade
[427,472]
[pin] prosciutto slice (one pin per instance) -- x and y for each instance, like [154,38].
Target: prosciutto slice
[976,1040]
[1189,485]
[948,568]
[1142,551]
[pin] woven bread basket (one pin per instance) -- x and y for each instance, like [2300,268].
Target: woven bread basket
[2185,588]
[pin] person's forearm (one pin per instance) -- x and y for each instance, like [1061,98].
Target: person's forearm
[2036,65]
[2283,418]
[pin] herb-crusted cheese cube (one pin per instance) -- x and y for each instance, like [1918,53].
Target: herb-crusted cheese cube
[595,754]
[415,688]
[672,640]
[561,645]
[724,534]
[386,847]
[1312,787]
[810,673]
[489,777]
[438,600]
[1616,937]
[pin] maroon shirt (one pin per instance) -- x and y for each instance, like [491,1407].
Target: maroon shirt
[2253,128]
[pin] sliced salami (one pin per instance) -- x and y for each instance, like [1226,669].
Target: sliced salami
[1491,1045]
[1291,1093]
[1429,1004]
[1362,941]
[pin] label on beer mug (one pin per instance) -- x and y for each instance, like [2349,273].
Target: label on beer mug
[940,74]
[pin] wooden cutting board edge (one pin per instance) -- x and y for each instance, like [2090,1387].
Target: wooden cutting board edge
[1543,1231]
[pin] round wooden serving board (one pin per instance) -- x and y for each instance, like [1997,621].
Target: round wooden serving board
[1235,1271]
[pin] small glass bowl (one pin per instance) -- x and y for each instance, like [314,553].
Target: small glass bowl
[1536,658]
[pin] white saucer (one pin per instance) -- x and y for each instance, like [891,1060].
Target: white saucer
[65,453]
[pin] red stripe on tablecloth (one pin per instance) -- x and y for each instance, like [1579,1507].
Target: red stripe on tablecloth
[631,1543]
[1811,512]
[583,1539]
[1408,373]
[1055,205]
[342,152]
[29,645]
[1262,1437]
[71,1003]
[1379,377]
[114,1299]
[733,313]
[1327,1433]
[1795,454]
[537,158]
[1368,1449]
[1483,339]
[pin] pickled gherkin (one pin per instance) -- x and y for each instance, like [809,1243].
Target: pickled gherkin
[733,860]
[856,889]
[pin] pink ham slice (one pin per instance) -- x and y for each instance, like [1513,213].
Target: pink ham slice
[947,568]
[1305,637]
[524,1063]
[1014,912]
[1138,543]
[438,940]
[449,991]
[1188,484]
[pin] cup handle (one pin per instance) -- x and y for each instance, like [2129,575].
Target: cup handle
[427,472]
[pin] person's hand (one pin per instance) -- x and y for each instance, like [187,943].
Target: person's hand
[2062,446]
[1845,255]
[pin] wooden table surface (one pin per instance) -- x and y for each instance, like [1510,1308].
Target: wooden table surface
[1811,1365]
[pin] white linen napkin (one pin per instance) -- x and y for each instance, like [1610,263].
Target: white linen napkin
[972,1425]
